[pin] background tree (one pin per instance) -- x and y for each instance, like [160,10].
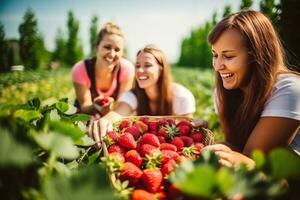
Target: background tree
[227,10]
[271,9]
[59,52]
[289,30]
[3,50]
[74,51]
[246,4]
[93,34]
[30,41]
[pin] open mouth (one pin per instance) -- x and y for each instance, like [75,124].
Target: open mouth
[143,78]
[226,75]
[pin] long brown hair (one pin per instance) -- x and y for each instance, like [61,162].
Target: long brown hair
[240,111]
[164,86]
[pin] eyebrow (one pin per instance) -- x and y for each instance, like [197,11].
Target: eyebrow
[226,51]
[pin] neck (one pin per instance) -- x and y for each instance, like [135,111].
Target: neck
[152,93]
[101,68]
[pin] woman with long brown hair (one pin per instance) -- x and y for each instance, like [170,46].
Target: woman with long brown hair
[257,97]
[154,92]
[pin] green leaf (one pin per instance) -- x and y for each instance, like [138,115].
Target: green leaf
[62,106]
[89,183]
[225,180]
[13,153]
[71,110]
[34,103]
[67,129]
[200,182]
[80,117]
[61,145]
[61,168]
[85,141]
[92,158]
[27,115]
[54,116]
[284,164]
[258,158]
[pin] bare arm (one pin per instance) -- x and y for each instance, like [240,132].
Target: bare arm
[125,86]
[271,132]
[83,95]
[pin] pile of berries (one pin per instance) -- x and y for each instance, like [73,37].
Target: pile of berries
[142,153]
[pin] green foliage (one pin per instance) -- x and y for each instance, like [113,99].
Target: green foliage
[59,53]
[227,10]
[31,42]
[73,47]
[206,179]
[246,4]
[270,9]
[93,35]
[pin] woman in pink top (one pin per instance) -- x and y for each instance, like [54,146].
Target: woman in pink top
[106,75]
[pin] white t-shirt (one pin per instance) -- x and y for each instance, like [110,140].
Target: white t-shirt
[183,100]
[285,102]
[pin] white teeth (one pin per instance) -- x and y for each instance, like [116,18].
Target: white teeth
[227,75]
[143,77]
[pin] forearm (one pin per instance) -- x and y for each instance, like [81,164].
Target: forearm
[88,109]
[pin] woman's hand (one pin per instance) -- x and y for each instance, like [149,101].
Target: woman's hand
[199,123]
[97,130]
[103,104]
[228,157]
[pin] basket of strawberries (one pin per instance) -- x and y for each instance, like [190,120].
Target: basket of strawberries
[140,152]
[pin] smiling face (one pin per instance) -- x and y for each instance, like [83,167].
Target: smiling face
[147,70]
[110,49]
[230,59]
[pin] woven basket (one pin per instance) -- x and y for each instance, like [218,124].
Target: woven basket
[209,136]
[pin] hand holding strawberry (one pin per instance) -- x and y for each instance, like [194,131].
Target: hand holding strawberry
[103,104]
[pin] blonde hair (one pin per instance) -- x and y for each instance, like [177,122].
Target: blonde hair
[109,28]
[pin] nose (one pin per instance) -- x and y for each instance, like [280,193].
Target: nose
[112,53]
[140,69]
[218,64]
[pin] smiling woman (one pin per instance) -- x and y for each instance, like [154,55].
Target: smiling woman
[257,97]
[107,75]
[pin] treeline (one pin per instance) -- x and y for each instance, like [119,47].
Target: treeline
[285,14]
[29,49]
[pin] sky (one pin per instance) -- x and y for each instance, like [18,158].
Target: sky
[161,22]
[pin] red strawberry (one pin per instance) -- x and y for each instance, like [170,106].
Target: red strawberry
[146,149]
[168,155]
[140,194]
[168,146]
[161,139]
[197,137]
[168,167]
[133,130]
[199,146]
[116,148]
[149,138]
[142,127]
[162,132]
[152,179]
[103,101]
[177,141]
[153,127]
[124,124]
[174,193]
[162,122]
[171,121]
[184,130]
[111,137]
[187,140]
[144,119]
[127,140]
[134,157]
[184,122]
[130,172]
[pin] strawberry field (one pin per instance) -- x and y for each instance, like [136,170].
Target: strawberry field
[45,152]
